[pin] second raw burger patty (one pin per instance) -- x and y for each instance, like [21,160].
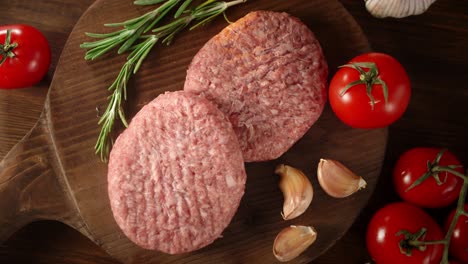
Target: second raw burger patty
[267,73]
[176,174]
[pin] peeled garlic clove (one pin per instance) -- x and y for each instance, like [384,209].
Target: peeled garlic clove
[397,8]
[292,241]
[297,191]
[337,180]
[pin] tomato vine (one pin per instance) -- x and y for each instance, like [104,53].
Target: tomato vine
[411,240]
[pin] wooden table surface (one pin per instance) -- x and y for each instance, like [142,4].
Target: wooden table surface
[433,47]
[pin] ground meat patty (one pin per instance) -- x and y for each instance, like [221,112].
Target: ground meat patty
[267,73]
[176,175]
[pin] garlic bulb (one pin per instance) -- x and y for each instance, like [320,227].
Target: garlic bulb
[397,8]
[337,180]
[292,241]
[297,191]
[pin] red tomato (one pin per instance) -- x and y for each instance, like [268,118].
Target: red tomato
[459,241]
[28,62]
[412,165]
[383,243]
[354,107]
[452,261]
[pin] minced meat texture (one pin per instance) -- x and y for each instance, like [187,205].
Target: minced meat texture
[176,174]
[267,73]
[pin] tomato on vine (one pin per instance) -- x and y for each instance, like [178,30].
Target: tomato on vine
[396,234]
[418,178]
[459,240]
[24,56]
[371,91]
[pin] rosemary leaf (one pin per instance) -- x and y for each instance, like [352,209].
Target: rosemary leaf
[204,21]
[122,117]
[169,31]
[108,41]
[126,22]
[129,42]
[96,52]
[145,49]
[155,21]
[147,2]
[203,5]
[104,35]
[182,8]
[130,22]
[226,18]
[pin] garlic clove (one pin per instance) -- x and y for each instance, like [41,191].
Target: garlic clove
[297,191]
[337,180]
[397,8]
[292,241]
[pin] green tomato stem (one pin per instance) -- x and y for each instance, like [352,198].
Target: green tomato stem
[449,170]
[433,168]
[369,79]
[458,212]
[6,49]
[417,243]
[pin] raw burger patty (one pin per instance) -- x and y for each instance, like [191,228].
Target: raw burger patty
[267,73]
[176,175]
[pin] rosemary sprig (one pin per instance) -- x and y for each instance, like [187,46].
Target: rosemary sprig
[119,87]
[133,31]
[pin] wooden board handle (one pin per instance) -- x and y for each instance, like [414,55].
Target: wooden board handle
[29,186]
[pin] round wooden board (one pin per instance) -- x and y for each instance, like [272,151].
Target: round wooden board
[79,88]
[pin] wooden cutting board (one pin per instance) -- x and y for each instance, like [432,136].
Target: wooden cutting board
[53,172]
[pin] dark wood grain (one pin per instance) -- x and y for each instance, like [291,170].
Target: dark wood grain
[30,188]
[20,109]
[431,46]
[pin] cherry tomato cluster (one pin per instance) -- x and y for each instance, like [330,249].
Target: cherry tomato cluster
[373,91]
[24,56]
[401,232]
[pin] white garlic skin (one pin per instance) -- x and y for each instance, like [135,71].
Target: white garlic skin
[337,180]
[292,241]
[397,8]
[297,191]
